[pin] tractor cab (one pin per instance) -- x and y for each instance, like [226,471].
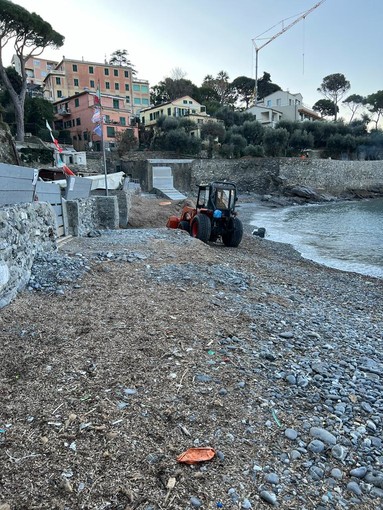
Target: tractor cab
[217,195]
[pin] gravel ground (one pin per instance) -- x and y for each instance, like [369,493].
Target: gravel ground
[131,347]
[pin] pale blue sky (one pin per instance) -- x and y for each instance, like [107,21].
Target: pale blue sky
[206,36]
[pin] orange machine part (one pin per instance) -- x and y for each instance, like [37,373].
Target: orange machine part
[173,222]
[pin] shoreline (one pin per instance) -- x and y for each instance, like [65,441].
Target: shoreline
[248,213]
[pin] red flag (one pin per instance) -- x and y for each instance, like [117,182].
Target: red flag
[97,97]
[57,145]
[67,170]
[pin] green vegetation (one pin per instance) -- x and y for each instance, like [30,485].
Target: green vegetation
[30,35]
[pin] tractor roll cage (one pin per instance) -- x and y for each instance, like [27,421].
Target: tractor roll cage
[217,195]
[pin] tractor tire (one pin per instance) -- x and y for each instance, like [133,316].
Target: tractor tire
[201,228]
[233,236]
[184,225]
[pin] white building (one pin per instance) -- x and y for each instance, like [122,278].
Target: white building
[290,106]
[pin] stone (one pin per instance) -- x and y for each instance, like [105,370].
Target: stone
[323,434]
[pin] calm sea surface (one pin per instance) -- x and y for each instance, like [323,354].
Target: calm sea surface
[343,235]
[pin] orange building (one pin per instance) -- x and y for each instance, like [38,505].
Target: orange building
[72,77]
[75,113]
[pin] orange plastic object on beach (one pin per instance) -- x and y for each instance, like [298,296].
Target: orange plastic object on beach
[195,455]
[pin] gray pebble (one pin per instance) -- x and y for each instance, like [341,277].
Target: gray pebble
[354,488]
[245,504]
[272,478]
[359,472]
[337,474]
[291,434]
[195,502]
[323,434]
[339,452]
[316,446]
[269,497]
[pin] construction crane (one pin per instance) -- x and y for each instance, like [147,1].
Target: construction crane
[284,29]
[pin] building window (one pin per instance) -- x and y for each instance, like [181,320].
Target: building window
[73,123]
[144,89]
[36,63]
[110,132]
[58,80]
[136,88]
[106,72]
[74,68]
[77,102]
[85,133]
[75,81]
[127,87]
[79,137]
[107,85]
[145,101]
[116,86]
[143,120]
[91,83]
[278,102]
[74,137]
[78,121]
[115,72]
[91,70]
[190,102]
[185,101]
[169,112]
[151,116]
[128,99]
[116,103]
[122,121]
[59,93]
[126,74]
[268,103]
[137,100]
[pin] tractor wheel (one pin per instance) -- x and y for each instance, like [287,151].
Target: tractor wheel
[201,228]
[233,236]
[184,225]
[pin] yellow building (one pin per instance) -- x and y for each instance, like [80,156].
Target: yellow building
[185,106]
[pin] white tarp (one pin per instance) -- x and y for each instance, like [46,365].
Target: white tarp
[98,181]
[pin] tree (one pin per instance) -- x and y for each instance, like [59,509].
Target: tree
[37,111]
[212,131]
[266,87]
[30,35]
[221,85]
[334,87]
[375,105]
[354,102]
[158,94]
[326,108]
[126,141]
[243,87]
[120,58]
[275,141]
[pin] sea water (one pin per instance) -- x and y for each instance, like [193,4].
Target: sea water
[344,235]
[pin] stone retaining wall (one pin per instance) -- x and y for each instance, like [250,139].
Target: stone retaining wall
[267,175]
[25,230]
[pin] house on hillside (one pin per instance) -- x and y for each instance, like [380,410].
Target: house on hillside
[184,106]
[75,113]
[266,116]
[289,105]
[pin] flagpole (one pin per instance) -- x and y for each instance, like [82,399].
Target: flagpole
[103,145]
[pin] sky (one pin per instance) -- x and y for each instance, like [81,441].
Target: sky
[207,36]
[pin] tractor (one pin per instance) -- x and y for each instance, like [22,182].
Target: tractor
[214,215]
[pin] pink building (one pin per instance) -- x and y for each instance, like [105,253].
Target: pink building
[74,114]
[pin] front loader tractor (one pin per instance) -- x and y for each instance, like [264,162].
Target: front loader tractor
[214,216]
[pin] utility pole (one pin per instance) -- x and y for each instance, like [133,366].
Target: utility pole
[268,41]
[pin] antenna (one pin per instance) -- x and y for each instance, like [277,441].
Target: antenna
[270,39]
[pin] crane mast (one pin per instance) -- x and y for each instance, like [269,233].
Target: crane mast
[282,31]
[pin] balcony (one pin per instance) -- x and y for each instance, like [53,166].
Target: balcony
[63,111]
